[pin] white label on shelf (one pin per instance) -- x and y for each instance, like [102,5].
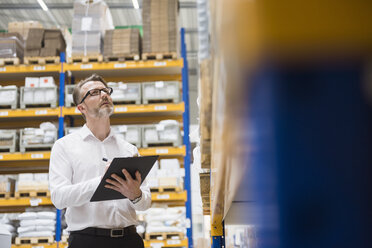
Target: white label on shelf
[120,65]
[123,129]
[37,155]
[161,151]
[35,202]
[160,127]
[162,63]
[163,197]
[4,113]
[157,245]
[1,156]
[39,246]
[39,68]
[121,109]
[159,84]
[77,111]
[2,68]
[174,242]
[161,107]
[41,112]
[86,66]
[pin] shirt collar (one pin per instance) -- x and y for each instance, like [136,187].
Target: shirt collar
[85,132]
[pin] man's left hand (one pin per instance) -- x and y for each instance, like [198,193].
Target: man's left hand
[129,187]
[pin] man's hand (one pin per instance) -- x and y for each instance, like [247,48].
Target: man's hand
[129,187]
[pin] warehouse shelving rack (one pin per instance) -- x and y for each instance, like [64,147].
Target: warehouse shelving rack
[127,71]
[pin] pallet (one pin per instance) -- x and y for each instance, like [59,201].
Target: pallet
[164,235]
[31,193]
[41,60]
[159,56]
[113,58]
[35,147]
[85,59]
[135,102]
[9,61]
[36,105]
[9,106]
[10,149]
[160,144]
[34,240]
[152,101]
[166,189]
[6,195]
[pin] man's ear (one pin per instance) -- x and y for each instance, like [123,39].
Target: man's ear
[80,108]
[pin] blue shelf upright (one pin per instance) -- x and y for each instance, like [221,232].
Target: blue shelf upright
[186,131]
[60,133]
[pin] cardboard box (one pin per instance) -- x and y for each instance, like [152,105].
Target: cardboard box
[122,42]
[160,26]
[35,39]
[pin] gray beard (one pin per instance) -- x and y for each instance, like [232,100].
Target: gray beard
[103,112]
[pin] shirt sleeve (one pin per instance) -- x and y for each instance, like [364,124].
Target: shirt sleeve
[145,202]
[63,192]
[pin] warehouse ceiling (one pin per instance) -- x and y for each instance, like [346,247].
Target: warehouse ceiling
[123,14]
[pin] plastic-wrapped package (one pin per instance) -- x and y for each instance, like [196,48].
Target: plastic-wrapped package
[90,20]
[11,45]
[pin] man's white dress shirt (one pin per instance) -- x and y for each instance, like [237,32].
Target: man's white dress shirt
[75,170]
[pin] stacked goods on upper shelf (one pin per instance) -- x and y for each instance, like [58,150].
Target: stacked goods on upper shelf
[167,178]
[11,48]
[160,29]
[165,133]
[9,96]
[122,44]
[39,91]
[8,140]
[38,138]
[31,182]
[126,92]
[39,224]
[9,222]
[23,27]
[89,23]
[162,223]
[44,43]
[7,186]
[161,91]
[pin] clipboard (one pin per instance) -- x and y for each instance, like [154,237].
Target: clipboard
[131,164]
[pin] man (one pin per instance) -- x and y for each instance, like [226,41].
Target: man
[77,166]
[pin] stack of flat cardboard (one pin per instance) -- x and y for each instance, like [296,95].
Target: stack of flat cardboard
[44,42]
[160,26]
[11,45]
[23,27]
[121,42]
[88,27]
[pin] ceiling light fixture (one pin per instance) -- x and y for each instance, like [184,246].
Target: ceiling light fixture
[42,5]
[135,4]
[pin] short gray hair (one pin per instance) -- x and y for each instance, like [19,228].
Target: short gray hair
[76,95]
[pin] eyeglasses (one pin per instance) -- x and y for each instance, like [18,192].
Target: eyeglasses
[96,92]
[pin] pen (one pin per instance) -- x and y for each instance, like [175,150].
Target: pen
[105,159]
